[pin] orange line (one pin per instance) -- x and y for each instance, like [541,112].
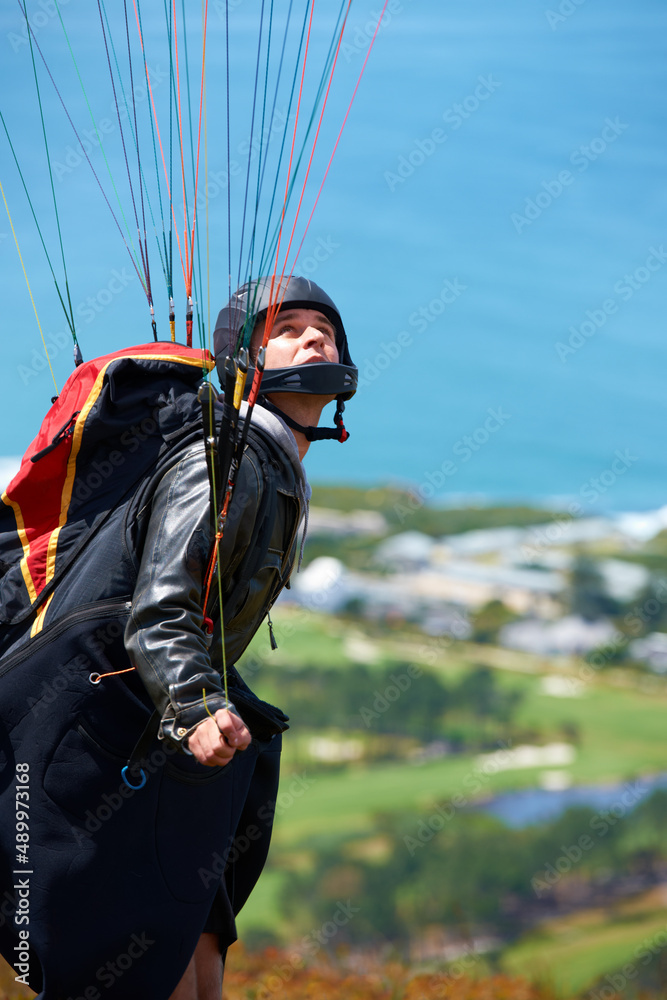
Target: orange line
[272,311]
[25,545]
[38,623]
[347,113]
[273,307]
[187,271]
[201,105]
[159,137]
[317,132]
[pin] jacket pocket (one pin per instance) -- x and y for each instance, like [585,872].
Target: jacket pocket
[255,598]
[84,778]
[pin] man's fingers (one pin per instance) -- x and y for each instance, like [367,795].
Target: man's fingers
[208,746]
[232,729]
[216,740]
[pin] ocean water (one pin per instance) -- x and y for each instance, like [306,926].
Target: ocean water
[493,230]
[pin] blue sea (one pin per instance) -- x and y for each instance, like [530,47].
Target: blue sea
[493,229]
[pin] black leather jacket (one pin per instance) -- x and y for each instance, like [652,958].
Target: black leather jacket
[165,637]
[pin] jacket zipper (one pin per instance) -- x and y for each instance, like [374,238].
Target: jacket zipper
[100,609]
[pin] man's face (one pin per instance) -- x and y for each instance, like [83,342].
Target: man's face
[298,337]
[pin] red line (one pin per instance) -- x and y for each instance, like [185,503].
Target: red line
[347,113]
[317,133]
[273,307]
[201,105]
[188,266]
[159,137]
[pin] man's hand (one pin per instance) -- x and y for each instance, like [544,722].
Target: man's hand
[216,740]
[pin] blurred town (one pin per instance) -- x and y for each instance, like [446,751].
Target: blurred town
[475,775]
[553,584]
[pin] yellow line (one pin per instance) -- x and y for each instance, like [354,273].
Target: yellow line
[38,623]
[25,544]
[80,425]
[66,495]
[208,254]
[18,249]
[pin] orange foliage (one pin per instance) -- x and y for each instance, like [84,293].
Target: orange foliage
[285,975]
[277,975]
[9,988]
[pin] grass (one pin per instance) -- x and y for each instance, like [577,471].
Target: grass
[574,952]
[401,515]
[620,717]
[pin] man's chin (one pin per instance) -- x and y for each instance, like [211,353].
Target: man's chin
[305,408]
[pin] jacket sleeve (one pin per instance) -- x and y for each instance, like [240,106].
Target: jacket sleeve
[165,636]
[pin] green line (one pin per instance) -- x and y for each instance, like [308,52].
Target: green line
[268,252]
[251,248]
[39,231]
[135,139]
[196,285]
[70,315]
[99,141]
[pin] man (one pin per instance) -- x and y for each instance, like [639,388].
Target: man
[121,887]
[307,333]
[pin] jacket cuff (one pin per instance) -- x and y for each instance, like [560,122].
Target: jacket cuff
[180,720]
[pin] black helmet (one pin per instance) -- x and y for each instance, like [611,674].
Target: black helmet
[250,303]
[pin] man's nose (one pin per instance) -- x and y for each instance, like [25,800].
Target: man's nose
[311,335]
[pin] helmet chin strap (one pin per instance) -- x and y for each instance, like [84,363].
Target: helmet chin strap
[337,433]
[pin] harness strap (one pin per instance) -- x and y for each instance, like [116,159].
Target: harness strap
[337,433]
[141,749]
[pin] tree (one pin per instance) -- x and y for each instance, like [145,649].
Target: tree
[488,621]
[587,595]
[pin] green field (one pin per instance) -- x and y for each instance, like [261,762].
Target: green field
[619,718]
[574,952]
